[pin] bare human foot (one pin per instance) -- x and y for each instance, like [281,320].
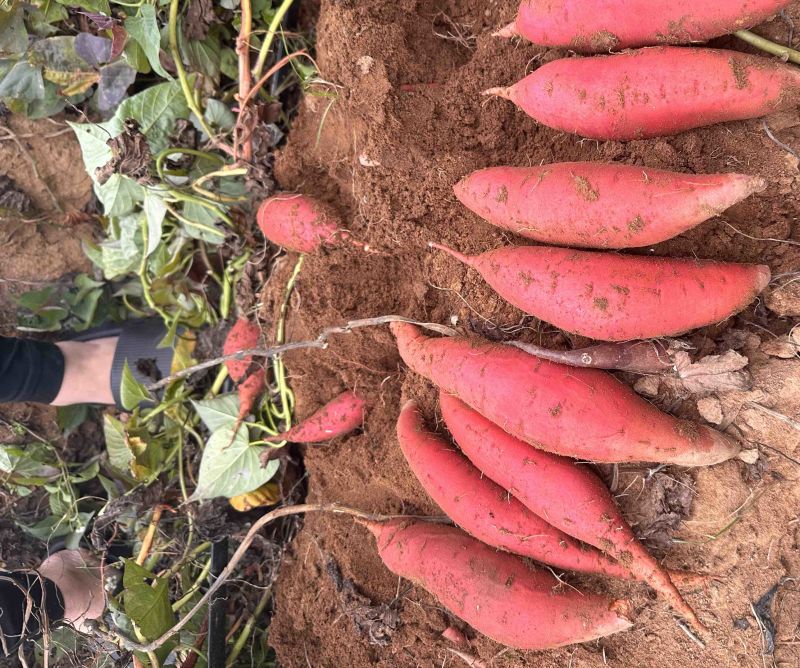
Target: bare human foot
[87,372]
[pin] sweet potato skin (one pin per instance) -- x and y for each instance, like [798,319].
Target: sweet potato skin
[597,26]
[338,417]
[654,92]
[582,413]
[242,336]
[612,297]
[570,496]
[600,205]
[496,593]
[299,223]
[484,509]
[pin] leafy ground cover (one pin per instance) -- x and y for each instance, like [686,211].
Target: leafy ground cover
[177,107]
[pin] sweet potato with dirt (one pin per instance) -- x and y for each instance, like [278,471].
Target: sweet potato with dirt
[338,417]
[498,594]
[592,26]
[302,224]
[612,297]
[582,413]
[569,495]
[484,509]
[654,92]
[244,335]
[600,205]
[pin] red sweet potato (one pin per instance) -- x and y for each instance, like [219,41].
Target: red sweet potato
[600,205]
[654,92]
[484,509]
[568,495]
[582,413]
[338,417]
[302,224]
[243,336]
[593,26]
[612,297]
[497,594]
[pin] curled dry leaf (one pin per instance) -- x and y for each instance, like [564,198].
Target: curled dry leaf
[715,373]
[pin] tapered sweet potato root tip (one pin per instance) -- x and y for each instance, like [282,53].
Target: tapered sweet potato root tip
[756,184]
[749,456]
[508,31]
[624,611]
[375,528]
[458,256]
[505,93]
[764,277]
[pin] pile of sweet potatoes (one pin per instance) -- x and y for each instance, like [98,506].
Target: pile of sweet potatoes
[518,483]
[517,478]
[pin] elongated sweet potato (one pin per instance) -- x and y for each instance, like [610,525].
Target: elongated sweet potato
[487,511]
[568,495]
[497,594]
[599,205]
[612,297]
[302,224]
[242,336]
[654,92]
[338,417]
[582,413]
[593,26]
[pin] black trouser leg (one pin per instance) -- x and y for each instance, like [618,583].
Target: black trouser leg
[30,370]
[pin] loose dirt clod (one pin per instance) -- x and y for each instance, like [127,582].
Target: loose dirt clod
[376,622]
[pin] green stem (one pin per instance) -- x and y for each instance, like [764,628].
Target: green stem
[287,399]
[184,81]
[248,627]
[267,44]
[764,44]
[161,157]
[146,281]
[202,547]
[216,386]
[194,588]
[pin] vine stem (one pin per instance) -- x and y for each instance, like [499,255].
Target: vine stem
[320,342]
[245,81]
[184,80]
[242,550]
[147,543]
[270,36]
[783,52]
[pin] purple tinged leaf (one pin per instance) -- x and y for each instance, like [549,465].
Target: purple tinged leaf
[114,82]
[93,49]
[102,21]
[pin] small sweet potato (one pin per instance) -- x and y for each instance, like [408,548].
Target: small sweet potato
[244,335]
[498,594]
[338,417]
[302,224]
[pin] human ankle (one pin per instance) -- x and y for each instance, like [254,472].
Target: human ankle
[87,372]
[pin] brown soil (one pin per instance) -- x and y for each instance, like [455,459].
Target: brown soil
[407,123]
[41,244]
